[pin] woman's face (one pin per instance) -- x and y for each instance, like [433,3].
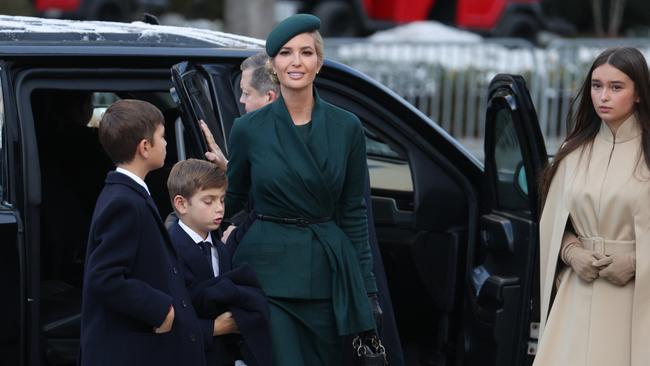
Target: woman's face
[296,64]
[613,94]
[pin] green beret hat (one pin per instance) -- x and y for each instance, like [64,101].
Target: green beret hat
[289,28]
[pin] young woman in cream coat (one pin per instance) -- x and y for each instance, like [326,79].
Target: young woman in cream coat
[594,229]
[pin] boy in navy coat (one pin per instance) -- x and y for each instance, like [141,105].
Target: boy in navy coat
[135,304]
[197,189]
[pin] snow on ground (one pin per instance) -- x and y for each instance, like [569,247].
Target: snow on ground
[456,49]
[425,32]
[435,43]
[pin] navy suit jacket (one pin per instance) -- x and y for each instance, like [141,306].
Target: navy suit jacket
[235,290]
[132,277]
[197,269]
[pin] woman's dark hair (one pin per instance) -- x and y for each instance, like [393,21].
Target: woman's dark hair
[585,123]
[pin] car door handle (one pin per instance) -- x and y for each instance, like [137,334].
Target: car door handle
[497,233]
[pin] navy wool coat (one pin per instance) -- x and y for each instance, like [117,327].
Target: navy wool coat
[235,290]
[132,277]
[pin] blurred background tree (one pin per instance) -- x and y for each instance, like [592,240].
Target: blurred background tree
[253,18]
[211,9]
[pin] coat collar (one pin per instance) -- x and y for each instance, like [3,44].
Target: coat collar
[628,130]
[310,158]
[133,176]
[122,179]
[191,252]
[317,116]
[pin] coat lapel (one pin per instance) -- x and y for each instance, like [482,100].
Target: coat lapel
[308,160]
[119,178]
[191,253]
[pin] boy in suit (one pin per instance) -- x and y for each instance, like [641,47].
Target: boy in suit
[135,304]
[197,190]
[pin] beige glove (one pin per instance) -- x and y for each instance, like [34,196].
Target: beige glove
[581,260]
[619,268]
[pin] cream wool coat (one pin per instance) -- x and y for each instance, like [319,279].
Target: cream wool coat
[606,195]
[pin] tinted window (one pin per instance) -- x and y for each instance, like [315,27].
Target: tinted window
[388,169]
[508,160]
[3,172]
[101,101]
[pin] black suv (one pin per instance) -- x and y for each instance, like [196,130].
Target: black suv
[458,239]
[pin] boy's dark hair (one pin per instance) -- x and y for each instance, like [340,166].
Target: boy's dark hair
[192,175]
[124,124]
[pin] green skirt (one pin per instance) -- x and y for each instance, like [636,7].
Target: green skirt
[303,332]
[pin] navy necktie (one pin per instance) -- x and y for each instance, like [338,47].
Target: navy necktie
[205,248]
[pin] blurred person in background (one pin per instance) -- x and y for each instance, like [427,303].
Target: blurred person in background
[257,87]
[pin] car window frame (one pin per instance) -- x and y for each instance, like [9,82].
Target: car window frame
[3,141]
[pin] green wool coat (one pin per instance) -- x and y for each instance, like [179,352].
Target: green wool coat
[289,177]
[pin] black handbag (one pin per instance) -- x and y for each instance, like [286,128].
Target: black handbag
[368,350]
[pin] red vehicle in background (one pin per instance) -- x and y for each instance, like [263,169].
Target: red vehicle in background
[501,18]
[114,10]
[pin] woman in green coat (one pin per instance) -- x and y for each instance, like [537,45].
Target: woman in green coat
[303,162]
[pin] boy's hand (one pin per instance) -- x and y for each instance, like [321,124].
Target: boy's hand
[166,326]
[227,233]
[225,324]
[215,155]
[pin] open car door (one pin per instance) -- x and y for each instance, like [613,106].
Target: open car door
[502,309]
[12,280]
[204,92]
[16,299]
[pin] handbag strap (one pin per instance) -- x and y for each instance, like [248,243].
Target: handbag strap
[358,344]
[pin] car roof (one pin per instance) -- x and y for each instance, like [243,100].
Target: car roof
[19,33]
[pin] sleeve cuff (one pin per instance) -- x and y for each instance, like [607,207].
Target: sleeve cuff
[207,331]
[159,311]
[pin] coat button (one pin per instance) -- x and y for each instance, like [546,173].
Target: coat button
[192,338]
[183,303]
[174,270]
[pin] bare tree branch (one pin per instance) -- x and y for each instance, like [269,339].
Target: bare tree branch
[253,18]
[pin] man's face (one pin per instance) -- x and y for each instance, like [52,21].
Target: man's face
[250,97]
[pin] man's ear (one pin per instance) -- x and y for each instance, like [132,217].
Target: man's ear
[180,204]
[271,95]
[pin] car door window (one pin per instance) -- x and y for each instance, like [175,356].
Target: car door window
[193,93]
[510,173]
[389,171]
[3,175]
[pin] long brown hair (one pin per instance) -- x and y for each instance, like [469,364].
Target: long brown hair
[585,123]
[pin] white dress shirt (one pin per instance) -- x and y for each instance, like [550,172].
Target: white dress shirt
[134,177]
[197,239]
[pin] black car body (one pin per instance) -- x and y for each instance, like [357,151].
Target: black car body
[458,239]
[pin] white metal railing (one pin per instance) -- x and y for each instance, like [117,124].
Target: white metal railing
[449,81]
